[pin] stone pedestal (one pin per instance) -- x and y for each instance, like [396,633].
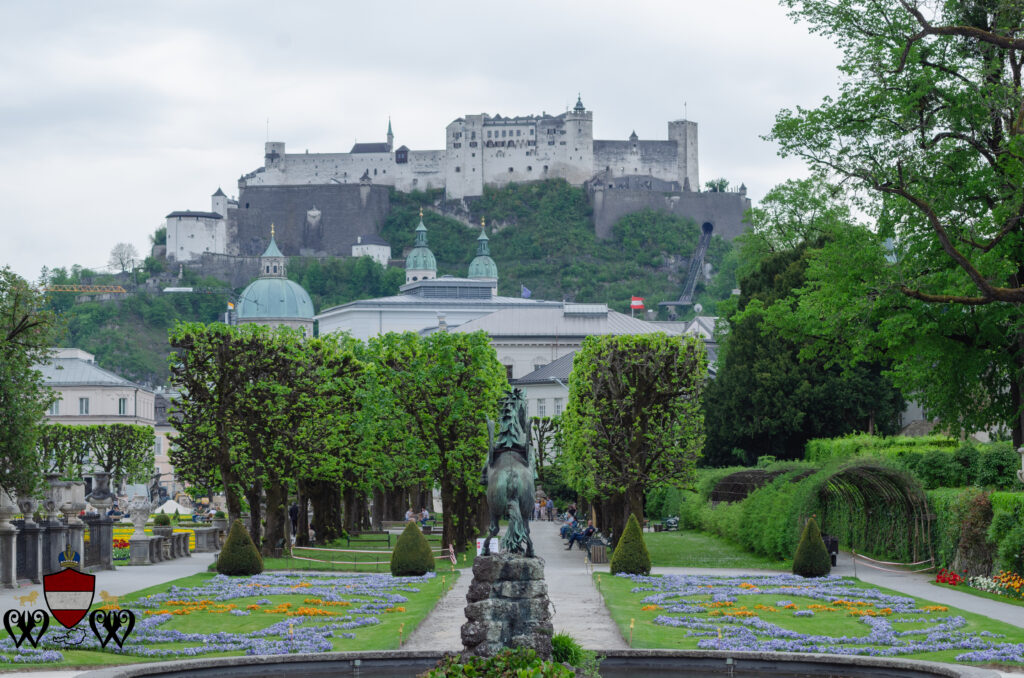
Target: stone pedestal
[207,539]
[55,538]
[30,551]
[8,563]
[507,606]
[139,550]
[102,530]
[76,537]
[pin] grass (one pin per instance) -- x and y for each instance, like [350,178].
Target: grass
[383,636]
[378,561]
[981,594]
[626,606]
[686,548]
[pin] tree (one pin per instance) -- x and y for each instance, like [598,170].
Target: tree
[123,257]
[159,236]
[125,451]
[927,129]
[63,449]
[769,397]
[544,433]
[436,394]
[634,416]
[719,185]
[25,336]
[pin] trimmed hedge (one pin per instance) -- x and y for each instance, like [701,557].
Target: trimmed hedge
[239,557]
[811,558]
[827,449]
[630,555]
[412,556]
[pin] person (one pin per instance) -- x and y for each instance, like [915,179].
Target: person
[536,510]
[114,512]
[568,527]
[424,516]
[293,514]
[582,537]
[409,515]
[572,511]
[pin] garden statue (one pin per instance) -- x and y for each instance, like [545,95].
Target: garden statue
[509,475]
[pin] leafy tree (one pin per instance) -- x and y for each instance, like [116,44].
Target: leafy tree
[123,256]
[125,451]
[719,185]
[544,433]
[768,398]
[25,336]
[435,395]
[159,236]
[927,130]
[63,449]
[634,416]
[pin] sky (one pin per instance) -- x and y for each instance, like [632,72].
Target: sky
[114,114]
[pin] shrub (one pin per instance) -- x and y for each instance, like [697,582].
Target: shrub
[162,520]
[412,556]
[996,466]
[239,557]
[219,514]
[565,650]
[811,559]
[520,662]
[177,516]
[1002,523]
[631,556]
[1011,551]
[689,511]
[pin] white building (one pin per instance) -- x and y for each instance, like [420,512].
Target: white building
[89,394]
[190,234]
[372,246]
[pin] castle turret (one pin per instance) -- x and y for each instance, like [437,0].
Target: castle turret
[391,137]
[219,203]
[273,155]
[483,267]
[420,264]
[684,133]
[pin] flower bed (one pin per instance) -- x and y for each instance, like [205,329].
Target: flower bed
[1007,584]
[761,613]
[302,613]
[121,549]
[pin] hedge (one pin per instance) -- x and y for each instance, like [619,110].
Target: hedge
[826,449]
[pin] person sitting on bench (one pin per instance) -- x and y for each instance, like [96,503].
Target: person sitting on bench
[567,528]
[582,537]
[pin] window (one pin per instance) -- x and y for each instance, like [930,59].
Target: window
[54,408]
[531,132]
[83,406]
[502,134]
[472,135]
[458,169]
[519,132]
[558,406]
[508,371]
[542,407]
[488,134]
[537,366]
[275,268]
[510,170]
[122,406]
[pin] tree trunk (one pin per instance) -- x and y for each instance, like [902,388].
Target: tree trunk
[234,502]
[277,513]
[302,529]
[253,495]
[377,518]
[635,498]
[327,520]
[617,509]
[448,509]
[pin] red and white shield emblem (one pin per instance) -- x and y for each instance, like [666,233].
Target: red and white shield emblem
[69,595]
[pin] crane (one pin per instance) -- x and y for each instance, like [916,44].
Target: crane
[86,289]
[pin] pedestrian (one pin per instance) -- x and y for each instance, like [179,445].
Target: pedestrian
[293,513]
[536,510]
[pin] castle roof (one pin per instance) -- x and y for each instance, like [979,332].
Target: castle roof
[371,148]
[218,193]
[403,147]
[372,239]
[189,214]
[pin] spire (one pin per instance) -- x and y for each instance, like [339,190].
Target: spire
[389,127]
[482,265]
[272,262]
[482,247]
[579,103]
[421,232]
[391,136]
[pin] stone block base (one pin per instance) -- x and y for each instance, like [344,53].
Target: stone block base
[139,551]
[507,606]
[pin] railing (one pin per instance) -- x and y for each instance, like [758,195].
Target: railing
[877,565]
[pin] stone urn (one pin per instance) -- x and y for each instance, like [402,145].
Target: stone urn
[101,496]
[8,509]
[140,508]
[28,508]
[54,497]
[74,501]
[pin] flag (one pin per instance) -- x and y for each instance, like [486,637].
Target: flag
[636,302]
[524,291]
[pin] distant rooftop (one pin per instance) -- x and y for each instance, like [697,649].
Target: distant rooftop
[194,215]
[371,148]
[557,369]
[72,369]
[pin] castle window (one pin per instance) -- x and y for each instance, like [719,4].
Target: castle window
[510,170]
[502,134]
[519,132]
[561,143]
[545,168]
[54,408]
[472,144]
[531,131]
[458,169]
[488,134]
[472,135]
[374,171]
[275,269]
[529,168]
[122,406]
[83,406]
[551,143]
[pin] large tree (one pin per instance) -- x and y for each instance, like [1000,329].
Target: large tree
[440,391]
[25,335]
[928,131]
[634,417]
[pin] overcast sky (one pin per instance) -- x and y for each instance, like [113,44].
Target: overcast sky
[115,113]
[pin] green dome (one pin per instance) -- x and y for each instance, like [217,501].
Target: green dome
[482,265]
[421,258]
[275,298]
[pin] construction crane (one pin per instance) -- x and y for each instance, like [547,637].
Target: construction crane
[86,289]
[696,265]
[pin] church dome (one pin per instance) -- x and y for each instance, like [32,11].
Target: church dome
[273,298]
[482,265]
[420,257]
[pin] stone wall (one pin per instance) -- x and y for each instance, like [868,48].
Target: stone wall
[723,210]
[345,213]
[657,159]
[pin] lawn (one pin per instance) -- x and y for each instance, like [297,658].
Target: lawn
[963,588]
[272,613]
[782,612]
[377,558]
[685,548]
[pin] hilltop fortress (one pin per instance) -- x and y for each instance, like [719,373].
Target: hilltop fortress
[324,203]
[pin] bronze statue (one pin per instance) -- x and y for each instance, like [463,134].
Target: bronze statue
[509,474]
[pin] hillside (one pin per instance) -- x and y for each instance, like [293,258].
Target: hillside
[540,238]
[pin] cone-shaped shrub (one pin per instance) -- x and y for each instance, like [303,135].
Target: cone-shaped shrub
[631,556]
[412,555]
[811,559]
[162,520]
[239,557]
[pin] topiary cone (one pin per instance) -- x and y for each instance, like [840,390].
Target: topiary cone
[412,556]
[811,559]
[630,555]
[239,557]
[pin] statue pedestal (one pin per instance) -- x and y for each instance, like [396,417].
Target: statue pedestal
[139,551]
[508,606]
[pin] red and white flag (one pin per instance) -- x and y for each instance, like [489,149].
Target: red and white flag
[636,302]
[69,594]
